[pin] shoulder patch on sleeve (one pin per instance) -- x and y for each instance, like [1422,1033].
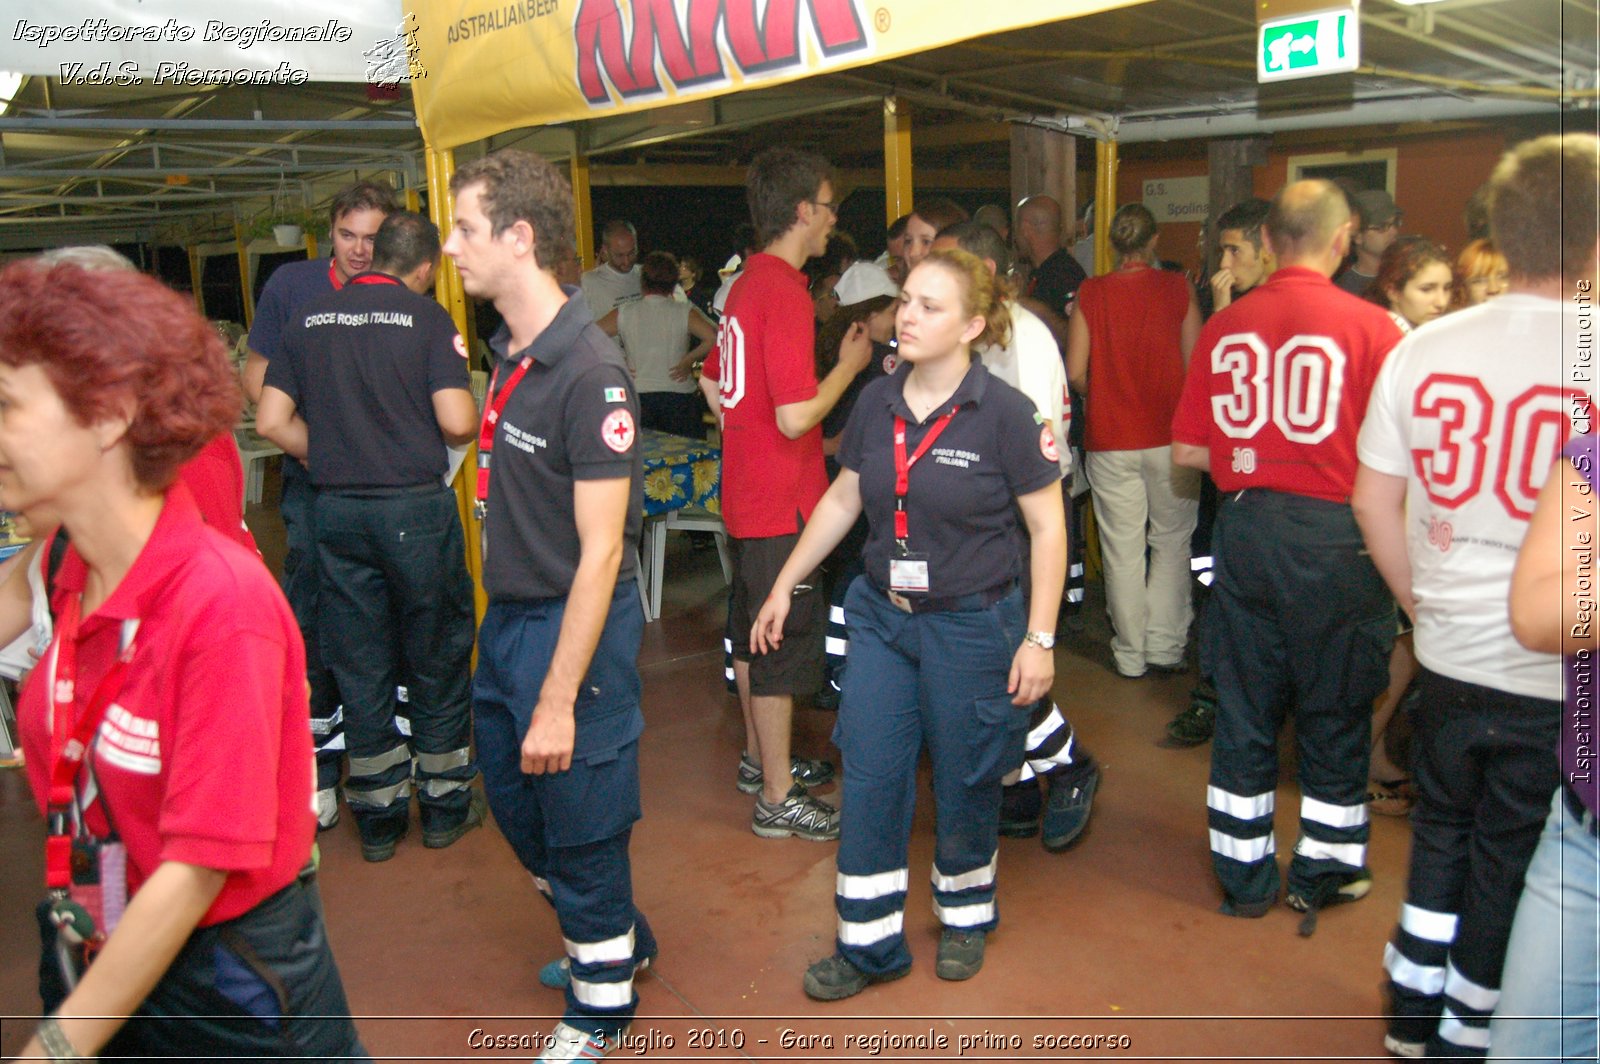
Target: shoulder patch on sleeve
[460,345]
[1047,444]
[616,395]
[617,430]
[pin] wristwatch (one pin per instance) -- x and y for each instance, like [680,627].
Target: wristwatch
[1042,640]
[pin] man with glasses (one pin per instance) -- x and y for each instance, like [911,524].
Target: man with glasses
[1380,224]
[762,380]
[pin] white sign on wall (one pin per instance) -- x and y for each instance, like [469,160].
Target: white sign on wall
[1178,199]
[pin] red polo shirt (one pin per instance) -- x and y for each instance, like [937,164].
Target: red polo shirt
[205,756]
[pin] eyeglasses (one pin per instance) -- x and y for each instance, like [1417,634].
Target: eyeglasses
[1392,223]
[827,205]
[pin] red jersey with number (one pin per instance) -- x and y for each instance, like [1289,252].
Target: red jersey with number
[1278,385]
[205,755]
[1472,411]
[764,360]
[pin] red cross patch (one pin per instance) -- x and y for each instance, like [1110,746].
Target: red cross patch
[460,345]
[617,431]
[1047,444]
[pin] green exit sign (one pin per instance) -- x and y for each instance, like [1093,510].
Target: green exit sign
[1305,46]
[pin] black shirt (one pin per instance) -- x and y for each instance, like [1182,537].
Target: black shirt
[361,365]
[1055,282]
[574,416]
[960,508]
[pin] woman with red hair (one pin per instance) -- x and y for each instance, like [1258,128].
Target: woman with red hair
[186,886]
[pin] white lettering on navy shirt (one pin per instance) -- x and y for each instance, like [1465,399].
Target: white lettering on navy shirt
[375,317]
[523,441]
[954,456]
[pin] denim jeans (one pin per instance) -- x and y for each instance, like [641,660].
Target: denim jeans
[1548,1002]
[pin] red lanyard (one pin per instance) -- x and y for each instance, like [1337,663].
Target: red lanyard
[491,418]
[902,467]
[71,739]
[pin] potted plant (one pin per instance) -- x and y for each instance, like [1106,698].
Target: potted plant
[286,227]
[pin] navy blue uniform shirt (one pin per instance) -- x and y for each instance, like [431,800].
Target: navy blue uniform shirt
[289,286]
[960,508]
[574,416]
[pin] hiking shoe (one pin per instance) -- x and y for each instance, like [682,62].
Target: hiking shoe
[960,953]
[806,771]
[567,1044]
[327,808]
[1066,813]
[1020,807]
[834,979]
[380,838]
[798,815]
[828,697]
[477,810]
[1404,1049]
[557,975]
[1329,890]
[1194,725]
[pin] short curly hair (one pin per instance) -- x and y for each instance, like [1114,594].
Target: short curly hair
[114,341]
[518,186]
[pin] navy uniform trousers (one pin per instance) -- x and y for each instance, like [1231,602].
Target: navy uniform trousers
[914,678]
[1299,620]
[570,829]
[1485,766]
[396,602]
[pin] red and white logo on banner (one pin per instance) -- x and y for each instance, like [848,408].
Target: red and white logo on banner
[617,430]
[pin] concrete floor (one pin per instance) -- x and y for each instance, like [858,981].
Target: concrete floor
[1118,937]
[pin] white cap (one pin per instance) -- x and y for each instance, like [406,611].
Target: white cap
[864,281]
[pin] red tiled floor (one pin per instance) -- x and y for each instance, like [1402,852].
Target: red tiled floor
[1118,937]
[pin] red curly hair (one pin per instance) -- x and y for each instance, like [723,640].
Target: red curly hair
[115,341]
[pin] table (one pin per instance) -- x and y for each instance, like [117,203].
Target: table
[682,490]
[254,450]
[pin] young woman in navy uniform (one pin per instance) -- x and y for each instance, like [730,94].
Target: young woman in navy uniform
[940,457]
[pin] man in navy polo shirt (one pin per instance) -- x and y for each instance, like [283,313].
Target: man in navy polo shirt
[354,217]
[372,384]
[560,484]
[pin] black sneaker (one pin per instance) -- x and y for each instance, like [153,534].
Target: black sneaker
[381,837]
[807,772]
[1247,910]
[1066,814]
[1020,808]
[1329,890]
[834,979]
[477,810]
[1195,724]
[798,816]
[960,953]
[827,698]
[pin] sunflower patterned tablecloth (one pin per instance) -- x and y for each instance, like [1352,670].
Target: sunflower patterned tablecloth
[680,472]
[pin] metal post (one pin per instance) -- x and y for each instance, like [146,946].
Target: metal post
[897,186]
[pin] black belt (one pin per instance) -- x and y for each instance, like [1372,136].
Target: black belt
[386,492]
[1579,811]
[955,604]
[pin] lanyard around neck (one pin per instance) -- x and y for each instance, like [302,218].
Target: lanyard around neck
[491,418]
[902,467]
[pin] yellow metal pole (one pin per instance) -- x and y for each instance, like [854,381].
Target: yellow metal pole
[244,273]
[583,209]
[413,201]
[896,157]
[1105,201]
[196,274]
[441,166]
[311,244]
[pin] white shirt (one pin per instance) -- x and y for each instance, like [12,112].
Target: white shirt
[604,289]
[1031,363]
[654,333]
[1474,402]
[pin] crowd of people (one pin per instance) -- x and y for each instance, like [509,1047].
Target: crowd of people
[1358,430]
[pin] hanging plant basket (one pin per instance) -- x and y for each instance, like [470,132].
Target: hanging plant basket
[288,234]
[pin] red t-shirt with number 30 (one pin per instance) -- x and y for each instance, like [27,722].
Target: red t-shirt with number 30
[1278,385]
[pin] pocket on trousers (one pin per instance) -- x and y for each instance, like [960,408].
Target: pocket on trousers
[1000,730]
[1366,673]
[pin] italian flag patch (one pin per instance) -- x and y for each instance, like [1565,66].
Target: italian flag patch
[616,395]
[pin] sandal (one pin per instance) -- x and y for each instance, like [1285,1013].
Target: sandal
[1390,797]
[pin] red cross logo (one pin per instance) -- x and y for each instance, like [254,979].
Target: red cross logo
[617,431]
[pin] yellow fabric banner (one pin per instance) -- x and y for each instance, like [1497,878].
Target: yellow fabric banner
[485,66]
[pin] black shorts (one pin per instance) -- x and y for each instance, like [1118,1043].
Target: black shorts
[795,667]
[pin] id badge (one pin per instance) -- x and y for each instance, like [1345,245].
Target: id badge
[100,882]
[909,573]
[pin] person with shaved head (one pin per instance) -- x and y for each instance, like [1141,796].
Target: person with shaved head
[1299,619]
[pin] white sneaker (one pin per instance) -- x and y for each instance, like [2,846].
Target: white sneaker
[1403,1049]
[567,1044]
[327,808]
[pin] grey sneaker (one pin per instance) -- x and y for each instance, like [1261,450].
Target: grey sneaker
[798,815]
[566,1044]
[807,772]
[1329,890]
[960,953]
[1066,812]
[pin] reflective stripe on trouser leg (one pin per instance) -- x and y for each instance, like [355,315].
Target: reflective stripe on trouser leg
[327,739]
[965,900]
[443,782]
[1333,834]
[1415,962]
[1242,845]
[379,783]
[604,934]
[836,641]
[1051,746]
